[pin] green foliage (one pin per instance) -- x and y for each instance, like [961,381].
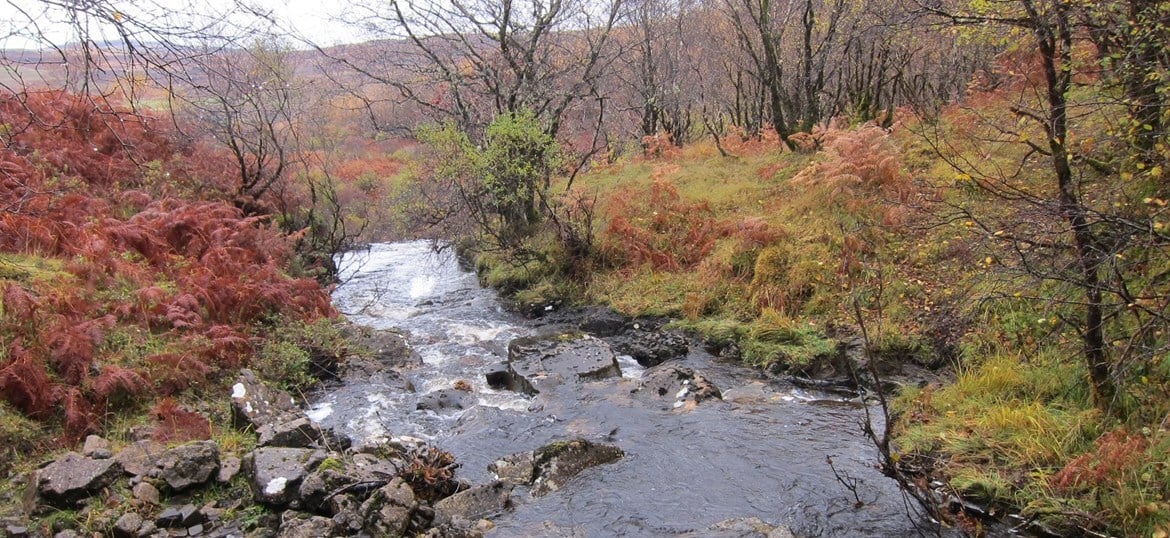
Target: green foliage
[519,157]
[501,187]
[287,354]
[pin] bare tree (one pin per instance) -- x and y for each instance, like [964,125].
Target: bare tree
[471,60]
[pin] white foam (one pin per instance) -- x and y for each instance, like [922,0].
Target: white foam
[319,412]
[421,286]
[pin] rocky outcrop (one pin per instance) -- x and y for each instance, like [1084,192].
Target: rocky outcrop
[682,387]
[542,362]
[74,477]
[556,463]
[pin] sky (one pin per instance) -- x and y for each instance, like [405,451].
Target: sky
[314,19]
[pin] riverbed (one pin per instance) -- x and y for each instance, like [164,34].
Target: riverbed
[761,452]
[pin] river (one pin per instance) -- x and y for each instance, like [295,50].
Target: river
[761,452]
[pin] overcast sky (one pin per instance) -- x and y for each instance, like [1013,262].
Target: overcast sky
[314,19]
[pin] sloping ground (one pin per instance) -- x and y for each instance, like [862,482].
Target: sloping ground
[126,276]
[775,257]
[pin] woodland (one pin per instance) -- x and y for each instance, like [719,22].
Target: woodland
[978,188]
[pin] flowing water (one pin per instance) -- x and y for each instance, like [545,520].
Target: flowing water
[762,452]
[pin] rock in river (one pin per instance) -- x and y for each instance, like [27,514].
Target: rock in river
[550,466]
[542,362]
[680,385]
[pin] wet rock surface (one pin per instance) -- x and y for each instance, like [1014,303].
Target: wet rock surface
[445,400]
[542,362]
[547,468]
[679,386]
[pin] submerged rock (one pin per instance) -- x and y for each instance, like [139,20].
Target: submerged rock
[748,527]
[680,385]
[74,477]
[542,362]
[443,400]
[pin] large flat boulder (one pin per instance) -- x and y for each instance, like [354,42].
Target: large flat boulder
[543,362]
[74,477]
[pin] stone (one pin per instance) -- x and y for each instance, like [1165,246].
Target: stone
[445,400]
[195,530]
[148,528]
[389,348]
[137,458]
[255,404]
[96,447]
[16,531]
[298,432]
[498,376]
[602,322]
[311,527]
[682,387]
[170,517]
[557,462]
[543,362]
[275,473]
[516,469]
[74,477]
[748,527]
[229,467]
[387,512]
[146,492]
[127,526]
[67,533]
[188,465]
[650,347]
[463,509]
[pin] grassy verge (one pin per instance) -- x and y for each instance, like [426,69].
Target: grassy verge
[766,252]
